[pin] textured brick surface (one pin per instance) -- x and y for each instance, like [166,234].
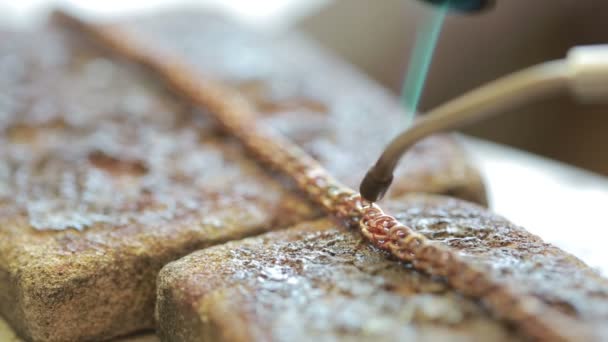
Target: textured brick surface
[318,281]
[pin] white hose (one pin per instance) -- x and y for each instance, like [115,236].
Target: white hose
[584,73]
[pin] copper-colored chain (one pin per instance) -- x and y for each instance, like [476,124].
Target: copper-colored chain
[236,116]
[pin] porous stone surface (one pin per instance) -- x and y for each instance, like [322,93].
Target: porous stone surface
[319,281]
[104,178]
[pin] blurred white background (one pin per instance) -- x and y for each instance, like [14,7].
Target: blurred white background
[263,14]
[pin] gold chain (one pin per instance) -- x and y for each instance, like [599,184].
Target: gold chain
[236,116]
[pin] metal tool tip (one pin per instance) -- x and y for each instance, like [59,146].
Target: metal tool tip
[373,187]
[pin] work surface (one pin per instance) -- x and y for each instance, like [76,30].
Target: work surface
[562,204]
[558,202]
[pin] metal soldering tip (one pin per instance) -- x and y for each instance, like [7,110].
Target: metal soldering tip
[374,186]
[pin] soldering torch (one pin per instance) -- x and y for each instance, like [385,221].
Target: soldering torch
[583,73]
[469,6]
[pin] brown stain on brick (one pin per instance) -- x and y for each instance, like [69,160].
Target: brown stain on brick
[257,92]
[117,166]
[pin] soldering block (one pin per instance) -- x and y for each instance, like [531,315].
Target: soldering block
[105,176]
[318,281]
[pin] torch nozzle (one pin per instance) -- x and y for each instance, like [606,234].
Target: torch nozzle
[375,184]
[467,6]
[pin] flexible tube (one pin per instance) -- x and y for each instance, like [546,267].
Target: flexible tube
[584,73]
